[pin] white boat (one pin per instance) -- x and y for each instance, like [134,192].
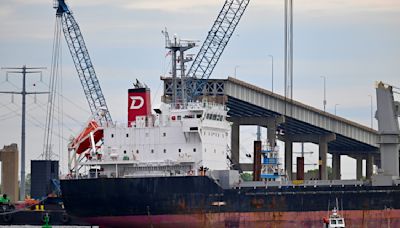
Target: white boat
[335,220]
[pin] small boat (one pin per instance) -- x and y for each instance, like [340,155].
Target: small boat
[335,220]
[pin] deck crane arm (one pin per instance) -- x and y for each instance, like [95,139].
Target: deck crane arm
[213,46]
[81,58]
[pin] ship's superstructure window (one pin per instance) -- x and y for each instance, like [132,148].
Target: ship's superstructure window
[112,135]
[164,134]
[127,135]
[165,151]
[179,150]
[124,151]
[152,151]
[137,151]
[194,149]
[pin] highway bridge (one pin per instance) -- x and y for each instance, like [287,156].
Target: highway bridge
[291,121]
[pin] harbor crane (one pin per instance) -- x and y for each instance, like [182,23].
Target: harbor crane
[213,47]
[81,58]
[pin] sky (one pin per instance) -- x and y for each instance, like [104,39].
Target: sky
[352,43]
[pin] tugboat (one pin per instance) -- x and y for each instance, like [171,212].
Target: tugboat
[335,220]
[271,166]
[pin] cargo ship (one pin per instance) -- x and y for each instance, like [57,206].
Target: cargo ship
[172,167]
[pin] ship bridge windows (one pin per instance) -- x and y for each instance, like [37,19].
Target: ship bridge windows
[188,117]
[216,117]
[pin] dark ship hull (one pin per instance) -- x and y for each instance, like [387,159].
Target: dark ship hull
[198,201]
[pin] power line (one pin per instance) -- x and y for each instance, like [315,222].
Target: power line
[24,71]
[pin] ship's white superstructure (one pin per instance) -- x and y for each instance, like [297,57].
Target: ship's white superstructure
[175,140]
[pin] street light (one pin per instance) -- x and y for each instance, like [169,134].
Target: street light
[324,77]
[237,66]
[272,72]
[372,123]
[335,108]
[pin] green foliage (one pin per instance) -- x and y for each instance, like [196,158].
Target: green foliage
[314,173]
[28,184]
[246,176]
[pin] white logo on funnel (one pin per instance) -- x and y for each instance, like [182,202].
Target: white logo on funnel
[139,105]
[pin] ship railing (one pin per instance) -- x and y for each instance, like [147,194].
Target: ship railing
[298,183]
[198,105]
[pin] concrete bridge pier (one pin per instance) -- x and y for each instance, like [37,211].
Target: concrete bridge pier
[289,158]
[323,151]
[235,144]
[271,133]
[370,165]
[359,160]
[336,166]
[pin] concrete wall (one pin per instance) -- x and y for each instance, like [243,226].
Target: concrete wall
[9,171]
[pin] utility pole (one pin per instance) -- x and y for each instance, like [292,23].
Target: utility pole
[288,56]
[272,72]
[372,116]
[335,108]
[324,77]
[23,70]
[234,74]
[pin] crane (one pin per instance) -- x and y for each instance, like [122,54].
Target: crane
[213,46]
[81,58]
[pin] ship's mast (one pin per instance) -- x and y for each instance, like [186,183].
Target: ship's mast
[175,46]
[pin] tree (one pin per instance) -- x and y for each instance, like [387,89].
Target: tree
[28,184]
[314,173]
[246,176]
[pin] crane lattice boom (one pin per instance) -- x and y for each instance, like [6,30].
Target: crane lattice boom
[83,64]
[213,46]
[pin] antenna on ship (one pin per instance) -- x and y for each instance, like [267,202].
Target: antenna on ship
[174,46]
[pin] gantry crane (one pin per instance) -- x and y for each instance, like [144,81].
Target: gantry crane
[81,58]
[213,46]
